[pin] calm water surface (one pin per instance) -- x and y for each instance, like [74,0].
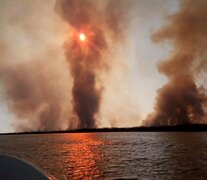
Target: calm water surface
[131,155]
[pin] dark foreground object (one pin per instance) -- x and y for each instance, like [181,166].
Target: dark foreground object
[16,169]
[176,128]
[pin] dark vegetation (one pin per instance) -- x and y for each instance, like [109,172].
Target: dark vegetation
[176,128]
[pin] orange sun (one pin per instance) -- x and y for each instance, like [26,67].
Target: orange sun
[82,37]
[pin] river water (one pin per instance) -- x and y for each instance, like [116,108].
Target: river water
[126,155]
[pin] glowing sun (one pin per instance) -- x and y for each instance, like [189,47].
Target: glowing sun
[82,37]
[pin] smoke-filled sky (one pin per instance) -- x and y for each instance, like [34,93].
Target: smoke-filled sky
[49,81]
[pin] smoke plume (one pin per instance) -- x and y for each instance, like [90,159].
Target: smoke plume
[85,58]
[32,71]
[183,100]
[32,98]
[42,89]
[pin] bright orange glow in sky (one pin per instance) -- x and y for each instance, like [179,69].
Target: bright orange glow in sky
[82,37]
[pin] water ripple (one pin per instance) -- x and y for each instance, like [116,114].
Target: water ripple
[114,155]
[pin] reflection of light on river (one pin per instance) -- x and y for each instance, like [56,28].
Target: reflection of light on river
[84,154]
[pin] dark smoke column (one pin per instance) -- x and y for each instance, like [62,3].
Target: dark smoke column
[83,53]
[182,100]
[92,22]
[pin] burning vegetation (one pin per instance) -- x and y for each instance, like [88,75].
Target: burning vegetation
[182,100]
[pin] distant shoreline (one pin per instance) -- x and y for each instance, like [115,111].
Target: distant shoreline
[177,128]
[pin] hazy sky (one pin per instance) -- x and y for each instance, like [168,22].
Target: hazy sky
[32,32]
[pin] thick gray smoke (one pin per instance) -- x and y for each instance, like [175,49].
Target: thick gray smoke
[85,58]
[37,81]
[31,97]
[32,72]
[181,100]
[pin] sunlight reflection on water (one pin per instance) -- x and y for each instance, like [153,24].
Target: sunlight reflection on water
[84,154]
[113,155]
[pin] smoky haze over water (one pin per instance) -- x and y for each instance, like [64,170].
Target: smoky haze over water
[182,100]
